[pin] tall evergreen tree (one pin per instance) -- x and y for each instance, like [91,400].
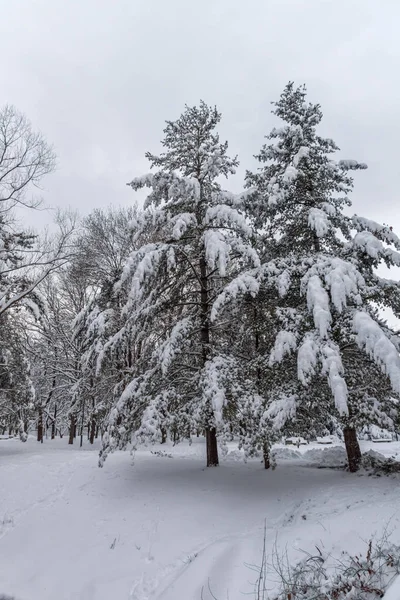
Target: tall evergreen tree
[319,274]
[180,373]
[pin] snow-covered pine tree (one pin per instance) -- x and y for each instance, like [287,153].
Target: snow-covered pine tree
[200,239]
[17,393]
[321,279]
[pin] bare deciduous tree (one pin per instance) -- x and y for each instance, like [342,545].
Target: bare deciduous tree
[25,158]
[26,259]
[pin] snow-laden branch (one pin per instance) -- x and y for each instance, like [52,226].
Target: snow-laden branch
[173,345]
[318,221]
[282,410]
[332,366]
[372,246]
[370,337]
[285,344]
[222,214]
[383,232]
[351,165]
[307,359]
[318,304]
[245,283]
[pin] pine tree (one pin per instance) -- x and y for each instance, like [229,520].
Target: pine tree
[17,393]
[319,274]
[199,239]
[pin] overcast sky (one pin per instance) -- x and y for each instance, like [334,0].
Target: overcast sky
[99,77]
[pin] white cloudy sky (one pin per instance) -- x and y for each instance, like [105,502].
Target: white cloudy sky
[99,77]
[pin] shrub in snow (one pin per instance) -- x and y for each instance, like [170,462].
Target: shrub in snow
[358,577]
[378,464]
[364,576]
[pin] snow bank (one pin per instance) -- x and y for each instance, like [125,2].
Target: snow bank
[326,457]
[281,454]
[334,456]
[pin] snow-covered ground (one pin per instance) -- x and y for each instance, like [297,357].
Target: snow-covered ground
[167,527]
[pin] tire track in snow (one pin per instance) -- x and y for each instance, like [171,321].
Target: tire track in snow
[149,587]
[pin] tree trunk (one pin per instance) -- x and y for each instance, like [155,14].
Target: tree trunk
[92,430]
[97,431]
[40,425]
[266,455]
[163,435]
[317,245]
[53,425]
[266,447]
[352,448]
[72,429]
[82,424]
[211,434]
[212,448]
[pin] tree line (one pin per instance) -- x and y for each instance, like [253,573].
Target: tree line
[241,317]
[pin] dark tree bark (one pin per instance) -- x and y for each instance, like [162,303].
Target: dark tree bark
[211,434]
[266,447]
[93,429]
[82,424]
[72,429]
[163,435]
[53,425]
[97,431]
[40,425]
[266,456]
[48,400]
[212,447]
[352,448]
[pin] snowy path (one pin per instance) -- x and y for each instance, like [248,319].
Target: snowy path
[163,529]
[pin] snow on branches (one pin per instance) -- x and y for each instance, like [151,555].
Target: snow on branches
[255,313]
[370,337]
